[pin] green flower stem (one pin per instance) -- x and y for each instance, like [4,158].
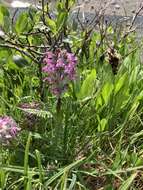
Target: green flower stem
[58,124]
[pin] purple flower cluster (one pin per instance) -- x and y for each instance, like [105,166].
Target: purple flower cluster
[8,128]
[61,69]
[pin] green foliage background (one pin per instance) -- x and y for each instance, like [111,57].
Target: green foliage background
[98,132]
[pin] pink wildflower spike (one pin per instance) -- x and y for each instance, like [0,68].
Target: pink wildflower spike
[61,70]
[8,128]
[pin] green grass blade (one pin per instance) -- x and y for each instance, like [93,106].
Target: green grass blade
[128,182]
[61,172]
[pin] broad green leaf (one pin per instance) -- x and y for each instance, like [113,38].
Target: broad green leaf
[3,179]
[60,20]
[140,96]
[106,91]
[52,25]
[87,87]
[128,182]
[121,99]
[120,82]
[5,53]
[23,23]
[99,102]
[4,10]
[134,75]
[127,61]
[102,125]
[4,18]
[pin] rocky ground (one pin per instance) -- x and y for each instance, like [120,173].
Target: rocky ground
[115,9]
[118,7]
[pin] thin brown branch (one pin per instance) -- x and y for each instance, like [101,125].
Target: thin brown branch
[19,50]
[135,16]
[43,11]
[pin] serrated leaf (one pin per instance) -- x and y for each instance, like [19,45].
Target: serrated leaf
[39,113]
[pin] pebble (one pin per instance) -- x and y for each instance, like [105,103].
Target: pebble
[117,6]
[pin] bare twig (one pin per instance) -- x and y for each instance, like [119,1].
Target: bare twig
[43,11]
[15,12]
[78,19]
[131,29]
[19,50]
[135,16]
